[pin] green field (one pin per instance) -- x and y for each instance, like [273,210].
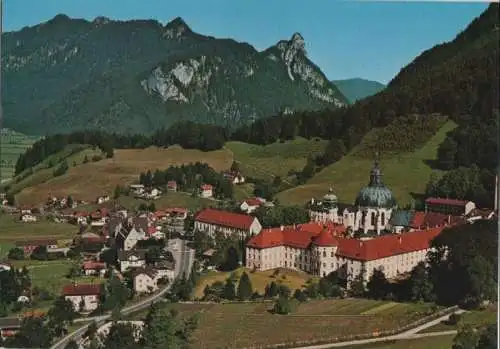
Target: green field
[403,174]
[13,230]
[276,159]
[12,144]
[436,342]
[474,318]
[52,275]
[243,325]
[74,154]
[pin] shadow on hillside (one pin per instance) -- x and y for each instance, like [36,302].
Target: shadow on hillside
[432,163]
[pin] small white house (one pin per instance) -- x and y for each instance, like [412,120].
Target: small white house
[250,205]
[102,199]
[28,218]
[206,191]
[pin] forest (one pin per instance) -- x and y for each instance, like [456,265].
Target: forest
[457,79]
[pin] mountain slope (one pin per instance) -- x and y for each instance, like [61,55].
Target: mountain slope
[69,74]
[357,88]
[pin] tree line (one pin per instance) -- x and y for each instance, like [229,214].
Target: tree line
[189,178]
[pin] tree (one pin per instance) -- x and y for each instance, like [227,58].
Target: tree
[33,333]
[61,315]
[16,254]
[120,336]
[245,290]
[40,253]
[488,338]
[232,260]
[153,255]
[378,286]
[69,201]
[160,329]
[115,294]
[357,288]
[235,167]
[72,344]
[229,290]
[421,289]
[285,305]
[300,296]
[62,169]
[117,192]
[466,338]
[271,290]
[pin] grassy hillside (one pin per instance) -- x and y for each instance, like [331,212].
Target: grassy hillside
[404,174]
[88,181]
[12,144]
[276,159]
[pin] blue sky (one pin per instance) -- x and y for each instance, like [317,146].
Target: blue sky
[372,40]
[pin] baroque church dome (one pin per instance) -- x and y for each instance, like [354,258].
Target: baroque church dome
[376,194]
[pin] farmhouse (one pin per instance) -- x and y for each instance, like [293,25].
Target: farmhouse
[206,191]
[28,218]
[449,206]
[171,186]
[102,199]
[85,297]
[29,246]
[211,221]
[131,259]
[234,177]
[93,268]
[320,250]
[250,205]
[146,279]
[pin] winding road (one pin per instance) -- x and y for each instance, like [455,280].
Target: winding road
[184,257]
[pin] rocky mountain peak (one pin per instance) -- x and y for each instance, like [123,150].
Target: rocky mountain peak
[101,20]
[176,28]
[298,41]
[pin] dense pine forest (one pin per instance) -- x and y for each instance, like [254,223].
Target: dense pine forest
[456,79]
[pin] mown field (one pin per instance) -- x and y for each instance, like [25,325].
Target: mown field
[52,275]
[12,144]
[12,230]
[292,279]
[90,180]
[475,318]
[435,342]
[403,174]
[276,159]
[251,324]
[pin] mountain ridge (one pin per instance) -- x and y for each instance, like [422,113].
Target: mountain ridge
[357,88]
[143,75]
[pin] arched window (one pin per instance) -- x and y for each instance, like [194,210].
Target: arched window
[324,254]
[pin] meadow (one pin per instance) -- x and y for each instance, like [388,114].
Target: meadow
[13,230]
[90,180]
[434,342]
[276,159]
[292,279]
[474,318]
[243,325]
[12,144]
[404,174]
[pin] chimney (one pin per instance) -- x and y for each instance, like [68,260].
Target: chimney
[361,244]
[400,240]
[282,228]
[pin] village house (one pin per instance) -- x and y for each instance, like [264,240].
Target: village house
[84,297]
[99,217]
[234,177]
[128,236]
[131,259]
[26,210]
[250,205]
[9,326]
[171,186]
[80,218]
[5,266]
[102,199]
[206,191]
[28,218]
[29,246]
[320,250]
[146,280]
[136,188]
[449,206]
[91,268]
[240,225]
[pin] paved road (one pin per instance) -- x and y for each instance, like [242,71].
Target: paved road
[410,334]
[184,258]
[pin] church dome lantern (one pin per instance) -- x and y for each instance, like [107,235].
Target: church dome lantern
[376,194]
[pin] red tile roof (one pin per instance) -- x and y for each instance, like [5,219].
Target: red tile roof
[300,236]
[93,265]
[442,201]
[253,202]
[82,290]
[376,248]
[206,187]
[387,245]
[417,220]
[225,219]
